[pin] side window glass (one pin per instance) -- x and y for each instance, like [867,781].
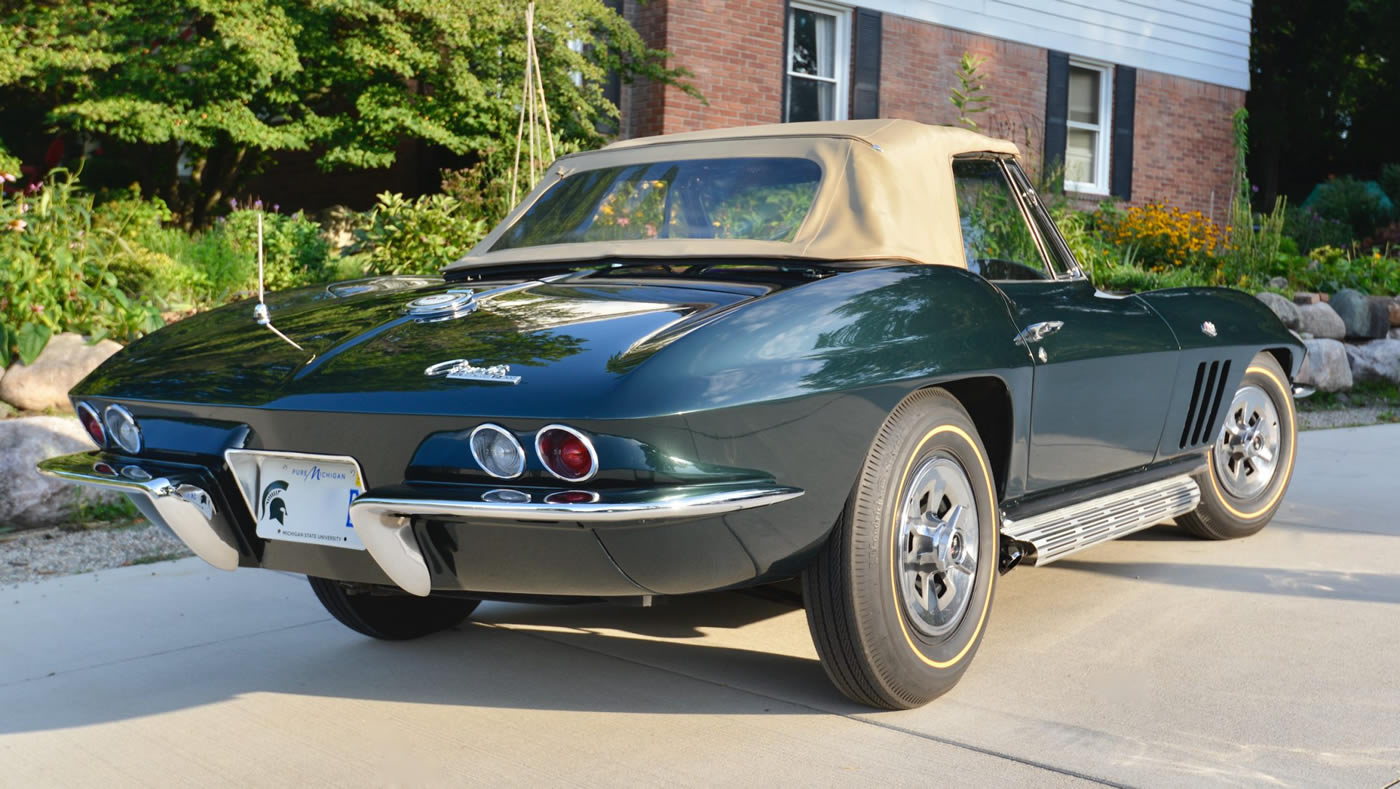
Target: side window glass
[1062,261]
[997,242]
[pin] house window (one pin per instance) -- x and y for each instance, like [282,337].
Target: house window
[818,62]
[1087,132]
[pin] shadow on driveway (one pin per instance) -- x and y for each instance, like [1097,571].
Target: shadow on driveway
[1325,584]
[517,657]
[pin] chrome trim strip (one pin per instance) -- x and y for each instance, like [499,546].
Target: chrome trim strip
[588,442]
[520,450]
[385,525]
[1059,533]
[1303,390]
[188,510]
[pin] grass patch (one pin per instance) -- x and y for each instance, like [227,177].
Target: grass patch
[1370,394]
[113,513]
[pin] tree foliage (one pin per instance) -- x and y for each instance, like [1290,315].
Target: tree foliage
[220,87]
[1325,74]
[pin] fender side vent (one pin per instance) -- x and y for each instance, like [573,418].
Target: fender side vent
[1204,407]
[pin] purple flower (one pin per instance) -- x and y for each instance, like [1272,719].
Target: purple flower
[276,208]
[35,188]
[1255,188]
[257,205]
[233,203]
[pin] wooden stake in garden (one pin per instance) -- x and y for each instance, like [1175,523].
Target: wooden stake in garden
[533,111]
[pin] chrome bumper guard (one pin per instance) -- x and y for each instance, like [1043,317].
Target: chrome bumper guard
[169,498]
[384,523]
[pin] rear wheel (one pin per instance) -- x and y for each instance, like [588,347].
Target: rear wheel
[1249,467]
[393,617]
[898,598]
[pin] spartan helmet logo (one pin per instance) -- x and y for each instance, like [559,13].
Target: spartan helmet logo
[271,505]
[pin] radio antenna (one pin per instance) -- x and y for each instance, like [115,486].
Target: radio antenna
[260,312]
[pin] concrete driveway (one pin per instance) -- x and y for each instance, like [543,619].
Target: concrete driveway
[1158,660]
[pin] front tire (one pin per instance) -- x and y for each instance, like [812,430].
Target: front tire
[1251,463]
[898,598]
[392,617]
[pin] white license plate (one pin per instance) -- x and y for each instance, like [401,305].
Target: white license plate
[299,498]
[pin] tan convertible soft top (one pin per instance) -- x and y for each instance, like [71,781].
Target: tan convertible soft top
[886,192]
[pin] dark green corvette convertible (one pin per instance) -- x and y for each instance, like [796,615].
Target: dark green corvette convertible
[859,353]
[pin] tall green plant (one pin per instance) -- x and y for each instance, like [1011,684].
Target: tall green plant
[968,96]
[1254,241]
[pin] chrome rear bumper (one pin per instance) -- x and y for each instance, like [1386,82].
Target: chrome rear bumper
[183,498]
[385,524]
[172,499]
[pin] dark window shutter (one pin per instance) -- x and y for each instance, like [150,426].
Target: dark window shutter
[1056,111]
[612,86]
[1124,108]
[865,88]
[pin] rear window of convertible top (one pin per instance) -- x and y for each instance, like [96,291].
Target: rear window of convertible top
[758,199]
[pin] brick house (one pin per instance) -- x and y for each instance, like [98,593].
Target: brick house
[1135,98]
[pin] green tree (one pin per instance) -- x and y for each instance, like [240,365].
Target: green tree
[1324,75]
[202,93]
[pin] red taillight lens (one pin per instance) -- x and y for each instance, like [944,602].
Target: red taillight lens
[566,453]
[572,497]
[88,417]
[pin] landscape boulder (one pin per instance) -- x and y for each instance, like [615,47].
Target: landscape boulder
[1278,282]
[1320,320]
[1326,366]
[1286,310]
[1377,360]
[28,499]
[65,361]
[1364,317]
[1392,311]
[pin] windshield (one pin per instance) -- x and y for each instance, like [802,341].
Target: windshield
[758,199]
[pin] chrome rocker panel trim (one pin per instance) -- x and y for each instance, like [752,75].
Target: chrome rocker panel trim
[188,510]
[1059,533]
[385,525]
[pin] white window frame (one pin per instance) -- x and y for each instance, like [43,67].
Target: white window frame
[1103,155]
[842,57]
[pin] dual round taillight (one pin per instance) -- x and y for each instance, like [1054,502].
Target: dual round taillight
[116,423]
[565,452]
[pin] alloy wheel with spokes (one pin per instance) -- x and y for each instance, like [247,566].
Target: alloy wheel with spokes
[939,542]
[1246,454]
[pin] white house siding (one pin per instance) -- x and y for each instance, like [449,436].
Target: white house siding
[1205,40]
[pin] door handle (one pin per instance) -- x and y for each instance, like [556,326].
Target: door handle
[1038,331]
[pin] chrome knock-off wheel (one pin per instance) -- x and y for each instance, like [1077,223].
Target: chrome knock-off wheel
[1247,452]
[938,544]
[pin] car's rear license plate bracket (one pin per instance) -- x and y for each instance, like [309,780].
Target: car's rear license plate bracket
[299,497]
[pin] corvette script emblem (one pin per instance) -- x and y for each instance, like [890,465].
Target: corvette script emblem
[464,370]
